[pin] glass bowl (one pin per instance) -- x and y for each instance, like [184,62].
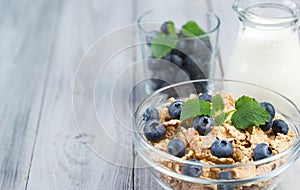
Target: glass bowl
[167,169]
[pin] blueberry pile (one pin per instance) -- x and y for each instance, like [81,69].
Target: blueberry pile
[154,130]
[189,60]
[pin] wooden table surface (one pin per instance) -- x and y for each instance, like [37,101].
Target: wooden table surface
[44,144]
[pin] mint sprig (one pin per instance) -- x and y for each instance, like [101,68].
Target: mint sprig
[171,27]
[220,118]
[192,29]
[218,106]
[162,44]
[217,102]
[195,107]
[248,113]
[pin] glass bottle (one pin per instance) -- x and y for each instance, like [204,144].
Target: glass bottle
[267,50]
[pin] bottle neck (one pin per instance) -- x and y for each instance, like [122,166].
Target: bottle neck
[268,14]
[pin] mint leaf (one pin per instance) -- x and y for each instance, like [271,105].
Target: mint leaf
[217,102]
[191,29]
[194,107]
[162,44]
[249,113]
[219,119]
[171,27]
[191,108]
[244,101]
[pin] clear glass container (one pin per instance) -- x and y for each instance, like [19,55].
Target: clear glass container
[267,50]
[192,57]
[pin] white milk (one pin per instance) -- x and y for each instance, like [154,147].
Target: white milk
[268,58]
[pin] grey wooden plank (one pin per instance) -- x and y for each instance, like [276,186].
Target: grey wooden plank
[25,48]
[62,159]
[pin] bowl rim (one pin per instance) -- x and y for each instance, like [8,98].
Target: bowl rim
[216,28]
[292,151]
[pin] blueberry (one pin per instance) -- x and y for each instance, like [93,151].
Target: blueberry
[202,124]
[201,50]
[192,65]
[225,176]
[164,84]
[262,151]
[181,76]
[178,52]
[221,148]
[267,126]
[155,83]
[165,75]
[269,107]
[183,46]
[150,36]
[154,131]
[279,126]
[165,27]
[192,170]
[177,60]
[205,97]
[167,57]
[271,110]
[187,45]
[176,147]
[175,109]
[151,113]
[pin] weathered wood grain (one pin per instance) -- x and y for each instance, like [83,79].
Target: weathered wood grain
[62,159]
[26,43]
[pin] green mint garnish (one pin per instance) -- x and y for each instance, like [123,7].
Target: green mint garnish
[248,113]
[162,44]
[219,119]
[191,29]
[218,106]
[171,27]
[217,102]
[195,107]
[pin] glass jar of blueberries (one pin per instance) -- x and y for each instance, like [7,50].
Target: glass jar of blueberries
[178,46]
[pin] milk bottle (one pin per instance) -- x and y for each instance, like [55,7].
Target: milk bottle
[267,51]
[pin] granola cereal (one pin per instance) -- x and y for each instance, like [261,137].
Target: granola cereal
[199,147]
